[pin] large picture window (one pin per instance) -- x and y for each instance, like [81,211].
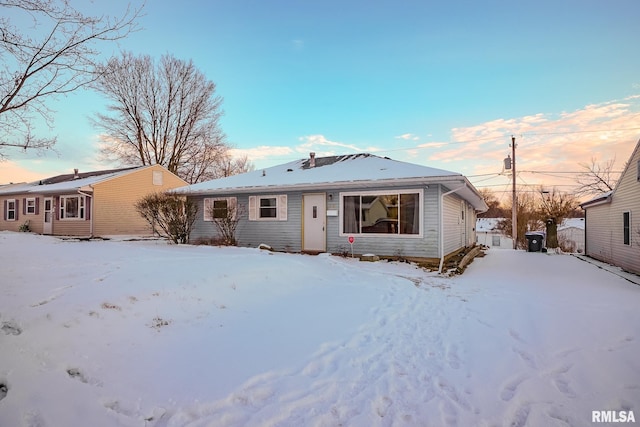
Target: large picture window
[71,207]
[397,213]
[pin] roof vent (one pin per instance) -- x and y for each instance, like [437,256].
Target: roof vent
[75,174]
[312,160]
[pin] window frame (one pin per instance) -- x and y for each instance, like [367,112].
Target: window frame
[626,228]
[81,208]
[384,192]
[206,215]
[281,207]
[31,207]
[13,210]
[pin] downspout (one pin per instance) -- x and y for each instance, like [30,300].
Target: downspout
[442,221]
[90,220]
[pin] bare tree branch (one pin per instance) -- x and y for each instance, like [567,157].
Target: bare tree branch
[166,113]
[597,178]
[55,56]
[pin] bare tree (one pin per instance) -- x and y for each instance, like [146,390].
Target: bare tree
[554,207]
[54,56]
[527,218]
[495,210]
[166,113]
[597,178]
[228,165]
[225,215]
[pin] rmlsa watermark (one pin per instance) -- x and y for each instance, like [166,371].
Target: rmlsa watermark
[613,417]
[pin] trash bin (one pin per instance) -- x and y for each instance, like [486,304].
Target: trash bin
[535,241]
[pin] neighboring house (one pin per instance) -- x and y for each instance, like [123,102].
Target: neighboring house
[612,220]
[98,203]
[571,235]
[490,235]
[388,207]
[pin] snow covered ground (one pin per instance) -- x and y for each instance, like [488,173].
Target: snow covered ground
[111,333]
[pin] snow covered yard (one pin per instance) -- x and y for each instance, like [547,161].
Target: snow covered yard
[108,333]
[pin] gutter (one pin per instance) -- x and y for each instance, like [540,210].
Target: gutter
[91,220]
[464,185]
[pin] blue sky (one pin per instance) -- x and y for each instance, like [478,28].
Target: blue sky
[443,84]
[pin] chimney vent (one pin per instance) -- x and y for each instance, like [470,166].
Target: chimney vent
[312,160]
[75,174]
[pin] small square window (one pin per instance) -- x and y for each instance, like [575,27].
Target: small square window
[268,207]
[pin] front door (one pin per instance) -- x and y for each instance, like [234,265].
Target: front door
[314,223]
[48,216]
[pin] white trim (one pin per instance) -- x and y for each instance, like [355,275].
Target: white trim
[82,208]
[280,207]
[26,205]
[232,203]
[383,191]
[14,210]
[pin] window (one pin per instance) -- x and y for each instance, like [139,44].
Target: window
[626,227]
[71,207]
[30,206]
[495,240]
[267,208]
[10,211]
[382,213]
[219,208]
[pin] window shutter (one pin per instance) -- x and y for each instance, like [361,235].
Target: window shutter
[282,207]
[206,207]
[233,207]
[17,208]
[37,205]
[24,206]
[87,208]
[253,208]
[5,210]
[57,207]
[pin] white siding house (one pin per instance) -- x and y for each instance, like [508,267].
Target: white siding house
[612,228]
[387,207]
[489,235]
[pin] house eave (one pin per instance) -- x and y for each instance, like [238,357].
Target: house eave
[449,181]
[596,202]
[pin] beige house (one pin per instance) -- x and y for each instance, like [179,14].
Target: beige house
[98,203]
[612,220]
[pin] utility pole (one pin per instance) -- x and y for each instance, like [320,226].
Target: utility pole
[514,203]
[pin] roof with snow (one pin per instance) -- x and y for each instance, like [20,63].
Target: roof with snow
[65,183]
[486,225]
[353,170]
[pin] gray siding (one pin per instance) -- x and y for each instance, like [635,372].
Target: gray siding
[604,223]
[287,235]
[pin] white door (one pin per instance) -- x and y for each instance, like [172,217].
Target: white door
[314,220]
[48,216]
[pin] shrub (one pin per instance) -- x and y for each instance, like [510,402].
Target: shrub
[169,215]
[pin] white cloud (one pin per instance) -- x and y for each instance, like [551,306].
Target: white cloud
[322,146]
[408,137]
